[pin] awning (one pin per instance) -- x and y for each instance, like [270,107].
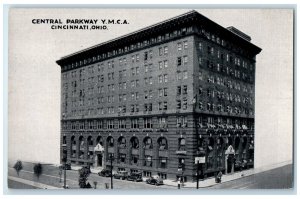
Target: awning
[99,147]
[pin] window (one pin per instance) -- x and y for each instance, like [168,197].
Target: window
[185,75]
[165,78]
[179,62]
[210,50]
[162,163]
[146,81]
[165,92]
[150,94]
[185,60]
[148,123]
[146,56]
[178,104]
[160,51]
[150,80]
[122,124]
[110,124]
[182,121]
[181,144]
[160,65]
[165,107]
[179,46]
[160,79]
[166,50]
[185,44]
[200,46]
[184,104]
[160,92]
[178,90]
[166,64]
[200,61]
[184,90]
[162,122]
[181,164]
[134,123]
[179,75]
[150,54]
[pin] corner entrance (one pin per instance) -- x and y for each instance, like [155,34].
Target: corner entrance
[99,160]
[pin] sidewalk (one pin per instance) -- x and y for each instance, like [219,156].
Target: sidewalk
[32,183]
[229,177]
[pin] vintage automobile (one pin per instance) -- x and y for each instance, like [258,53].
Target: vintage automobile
[105,173]
[136,177]
[121,175]
[68,166]
[155,181]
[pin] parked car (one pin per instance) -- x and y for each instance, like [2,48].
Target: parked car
[154,181]
[136,177]
[68,166]
[121,175]
[105,173]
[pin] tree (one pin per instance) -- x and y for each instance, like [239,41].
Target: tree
[38,169]
[84,172]
[18,166]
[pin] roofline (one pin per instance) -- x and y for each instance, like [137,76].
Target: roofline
[155,25]
[130,34]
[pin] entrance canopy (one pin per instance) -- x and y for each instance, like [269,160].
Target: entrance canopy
[99,148]
[229,150]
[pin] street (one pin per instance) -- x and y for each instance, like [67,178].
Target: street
[51,177]
[279,178]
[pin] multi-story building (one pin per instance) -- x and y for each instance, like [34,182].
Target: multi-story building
[158,99]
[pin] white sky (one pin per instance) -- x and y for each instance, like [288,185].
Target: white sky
[34,77]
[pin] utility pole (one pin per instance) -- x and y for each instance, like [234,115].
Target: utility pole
[64,160]
[111,170]
[65,176]
[198,168]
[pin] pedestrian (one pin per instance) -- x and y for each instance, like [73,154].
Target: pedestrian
[219,177]
[178,182]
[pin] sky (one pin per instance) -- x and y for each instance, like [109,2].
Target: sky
[34,77]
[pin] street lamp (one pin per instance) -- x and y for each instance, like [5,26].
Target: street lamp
[64,160]
[111,171]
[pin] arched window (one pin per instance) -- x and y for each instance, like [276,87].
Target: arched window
[237,145]
[81,141]
[162,143]
[64,139]
[211,144]
[90,141]
[110,141]
[99,140]
[122,142]
[181,144]
[81,147]
[134,142]
[229,141]
[148,143]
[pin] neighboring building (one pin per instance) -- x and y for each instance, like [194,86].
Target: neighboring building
[160,97]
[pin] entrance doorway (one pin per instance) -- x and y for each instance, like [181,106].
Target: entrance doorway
[230,162]
[99,160]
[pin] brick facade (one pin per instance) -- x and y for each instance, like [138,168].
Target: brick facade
[181,89]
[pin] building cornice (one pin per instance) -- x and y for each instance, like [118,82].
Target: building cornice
[188,19]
